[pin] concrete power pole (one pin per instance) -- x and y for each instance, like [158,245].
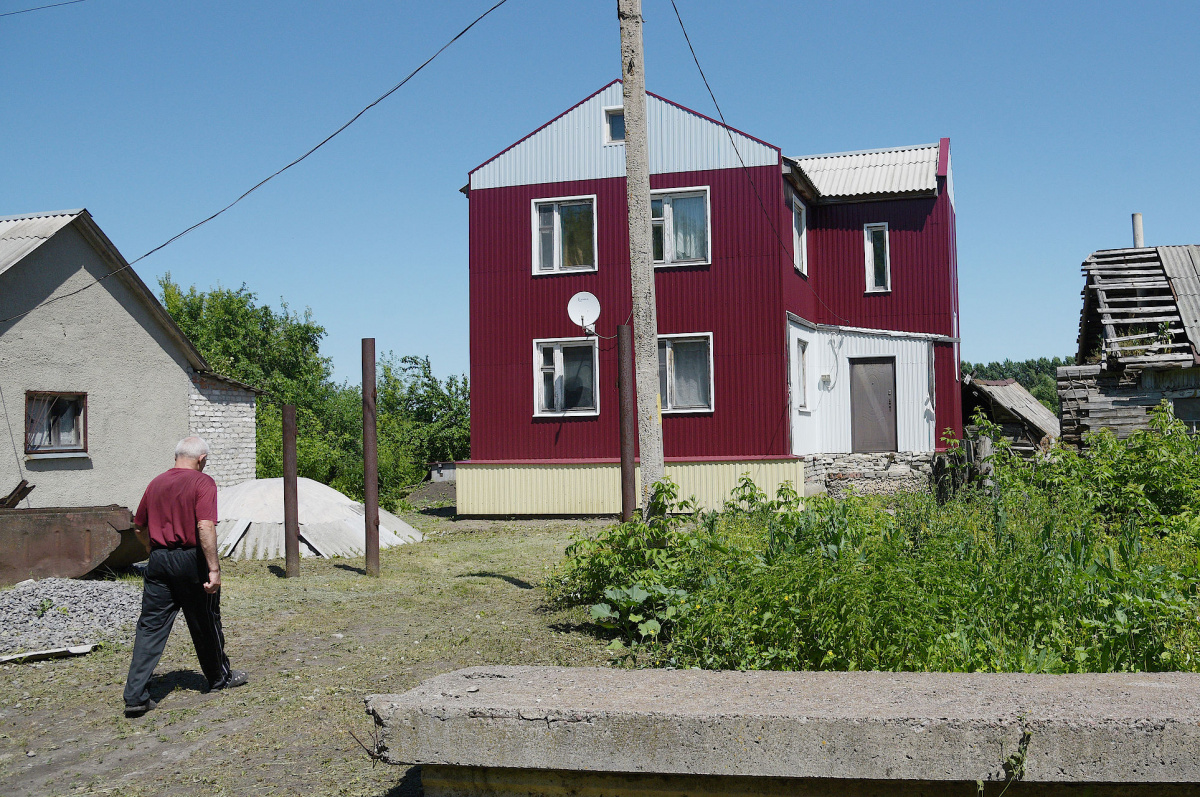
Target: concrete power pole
[641,264]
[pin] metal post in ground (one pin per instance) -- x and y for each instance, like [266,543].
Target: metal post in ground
[370,457]
[291,516]
[628,409]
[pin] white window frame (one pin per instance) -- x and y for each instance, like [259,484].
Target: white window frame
[609,111]
[800,238]
[534,237]
[665,401]
[869,257]
[538,345]
[668,238]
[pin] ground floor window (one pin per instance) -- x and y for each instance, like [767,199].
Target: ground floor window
[685,373]
[55,422]
[565,377]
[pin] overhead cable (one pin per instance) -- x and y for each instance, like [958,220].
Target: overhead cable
[749,177]
[267,179]
[39,8]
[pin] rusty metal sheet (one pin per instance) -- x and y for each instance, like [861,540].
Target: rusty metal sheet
[66,542]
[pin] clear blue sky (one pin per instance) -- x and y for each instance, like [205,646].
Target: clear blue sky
[1064,118]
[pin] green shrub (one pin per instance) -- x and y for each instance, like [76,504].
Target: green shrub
[1072,563]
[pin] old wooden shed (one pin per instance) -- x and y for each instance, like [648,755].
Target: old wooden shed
[1139,335]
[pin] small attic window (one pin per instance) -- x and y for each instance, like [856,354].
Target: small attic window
[614,125]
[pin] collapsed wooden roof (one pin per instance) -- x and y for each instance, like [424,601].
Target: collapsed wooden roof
[1141,308]
[1010,397]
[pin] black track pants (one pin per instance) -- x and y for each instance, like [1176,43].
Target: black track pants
[175,580]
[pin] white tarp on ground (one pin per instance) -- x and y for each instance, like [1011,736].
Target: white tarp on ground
[331,524]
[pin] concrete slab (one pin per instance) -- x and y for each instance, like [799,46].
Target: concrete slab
[910,727]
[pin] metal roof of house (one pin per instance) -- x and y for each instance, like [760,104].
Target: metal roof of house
[20,235]
[1141,307]
[1012,396]
[898,170]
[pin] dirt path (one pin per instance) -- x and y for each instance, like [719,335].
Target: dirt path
[314,646]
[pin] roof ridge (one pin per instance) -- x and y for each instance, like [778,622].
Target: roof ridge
[43,215]
[905,148]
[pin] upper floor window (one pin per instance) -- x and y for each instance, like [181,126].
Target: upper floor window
[55,423]
[799,235]
[878,257]
[565,372]
[680,227]
[685,373]
[564,234]
[614,125]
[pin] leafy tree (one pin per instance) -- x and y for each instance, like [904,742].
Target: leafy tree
[1039,376]
[420,418]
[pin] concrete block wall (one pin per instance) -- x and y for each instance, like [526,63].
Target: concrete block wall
[223,414]
[869,474]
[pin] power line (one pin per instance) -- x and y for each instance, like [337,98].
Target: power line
[39,8]
[749,177]
[265,180]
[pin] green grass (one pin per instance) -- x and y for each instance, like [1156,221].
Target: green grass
[314,646]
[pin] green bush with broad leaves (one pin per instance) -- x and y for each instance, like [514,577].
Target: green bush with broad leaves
[1068,563]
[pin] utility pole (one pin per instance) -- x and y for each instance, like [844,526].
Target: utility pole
[641,263]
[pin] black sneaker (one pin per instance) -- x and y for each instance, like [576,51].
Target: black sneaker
[136,711]
[236,678]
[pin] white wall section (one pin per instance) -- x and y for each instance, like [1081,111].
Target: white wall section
[824,425]
[575,146]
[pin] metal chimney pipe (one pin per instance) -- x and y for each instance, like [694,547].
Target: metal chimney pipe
[1139,239]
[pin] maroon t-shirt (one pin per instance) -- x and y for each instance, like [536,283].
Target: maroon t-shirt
[172,505]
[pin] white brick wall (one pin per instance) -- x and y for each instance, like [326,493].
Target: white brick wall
[223,414]
[869,474]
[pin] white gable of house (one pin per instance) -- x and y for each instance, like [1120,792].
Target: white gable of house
[574,146]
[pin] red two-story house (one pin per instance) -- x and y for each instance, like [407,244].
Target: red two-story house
[806,306]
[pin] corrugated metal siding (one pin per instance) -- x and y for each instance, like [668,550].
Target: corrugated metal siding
[949,390]
[885,171]
[923,291]
[736,298]
[572,147]
[595,488]
[20,235]
[1182,265]
[825,426]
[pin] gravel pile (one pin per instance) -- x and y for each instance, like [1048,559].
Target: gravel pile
[56,612]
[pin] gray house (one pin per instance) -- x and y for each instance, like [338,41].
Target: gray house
[1139,341]
[97,384]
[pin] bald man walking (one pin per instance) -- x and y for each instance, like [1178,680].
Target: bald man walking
[177,522]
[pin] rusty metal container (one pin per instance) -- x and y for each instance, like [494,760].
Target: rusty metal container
[66,542]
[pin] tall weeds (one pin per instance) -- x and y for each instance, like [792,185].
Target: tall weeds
[1070,564]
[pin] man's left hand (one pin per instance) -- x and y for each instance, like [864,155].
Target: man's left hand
[214,582]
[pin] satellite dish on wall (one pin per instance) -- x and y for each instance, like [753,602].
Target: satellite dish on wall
[584,309]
